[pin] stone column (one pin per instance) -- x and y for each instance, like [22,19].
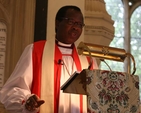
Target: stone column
[127,65]
[18,16]
[20,30]
[99,25]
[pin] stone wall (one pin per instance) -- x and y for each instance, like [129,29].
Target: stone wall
[18,16]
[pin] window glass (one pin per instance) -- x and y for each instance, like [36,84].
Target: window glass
[136,40]
[115,9]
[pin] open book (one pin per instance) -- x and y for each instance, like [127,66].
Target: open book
[74,84]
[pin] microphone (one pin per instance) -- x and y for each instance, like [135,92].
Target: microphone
[60,62]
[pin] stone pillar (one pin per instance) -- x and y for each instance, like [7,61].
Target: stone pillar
[20,30]
[127,65]
[18,16]
[98,23]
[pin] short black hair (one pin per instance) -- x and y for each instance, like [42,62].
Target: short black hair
[62,11]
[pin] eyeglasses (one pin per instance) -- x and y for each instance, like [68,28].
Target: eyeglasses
[73,22]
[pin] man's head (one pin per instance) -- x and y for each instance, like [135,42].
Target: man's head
[69,23]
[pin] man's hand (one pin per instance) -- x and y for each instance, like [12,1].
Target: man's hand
[33,102]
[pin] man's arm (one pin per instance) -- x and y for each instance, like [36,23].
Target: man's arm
[16,90]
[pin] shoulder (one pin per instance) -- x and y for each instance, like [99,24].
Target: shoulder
[41,42]
[38,46]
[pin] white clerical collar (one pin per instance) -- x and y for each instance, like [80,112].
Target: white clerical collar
[60,44]
[64,45]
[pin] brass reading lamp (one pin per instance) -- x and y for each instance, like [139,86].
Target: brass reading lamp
[104,52]
[103,88]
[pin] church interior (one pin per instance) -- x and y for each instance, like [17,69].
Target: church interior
[23,22]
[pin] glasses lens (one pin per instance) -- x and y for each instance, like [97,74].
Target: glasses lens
[73,22]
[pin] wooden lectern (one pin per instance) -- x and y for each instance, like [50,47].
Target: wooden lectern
[107,91]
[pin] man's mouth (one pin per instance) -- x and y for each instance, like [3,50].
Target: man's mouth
[74,34]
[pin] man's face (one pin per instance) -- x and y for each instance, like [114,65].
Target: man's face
[70,28]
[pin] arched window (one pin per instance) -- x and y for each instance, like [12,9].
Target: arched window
[136,40]
[115,9]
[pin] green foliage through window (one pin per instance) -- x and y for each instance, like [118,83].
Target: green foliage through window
[115,9]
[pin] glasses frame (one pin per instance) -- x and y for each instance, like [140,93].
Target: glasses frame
[73,22]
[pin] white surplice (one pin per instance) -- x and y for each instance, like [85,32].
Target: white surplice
[18,86]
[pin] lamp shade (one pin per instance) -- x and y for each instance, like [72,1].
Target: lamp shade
[103,52]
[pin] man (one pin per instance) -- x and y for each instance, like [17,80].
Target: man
[44,66]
